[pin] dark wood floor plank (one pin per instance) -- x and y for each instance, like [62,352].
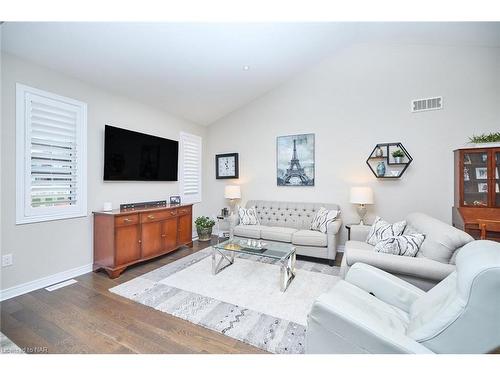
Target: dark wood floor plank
[52,307]
[87,318]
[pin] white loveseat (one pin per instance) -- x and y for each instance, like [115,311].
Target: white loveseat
[290,222]
[434,261]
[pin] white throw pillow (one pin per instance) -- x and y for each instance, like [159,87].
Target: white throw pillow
[381,230]
[248,216]
[322,218]
[406,245]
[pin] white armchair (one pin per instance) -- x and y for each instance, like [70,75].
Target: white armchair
[372,311]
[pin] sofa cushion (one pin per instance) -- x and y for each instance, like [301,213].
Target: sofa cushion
[306,237]
[381,230]
[441,239]
[296,215]
[277,233]
[347,300]
[251,231]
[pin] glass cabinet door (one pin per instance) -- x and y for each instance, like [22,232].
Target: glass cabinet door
[475,179]
[496,179]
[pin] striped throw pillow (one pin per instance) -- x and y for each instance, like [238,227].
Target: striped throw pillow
[381,230]
[248,216]
[406,245]
[322,218]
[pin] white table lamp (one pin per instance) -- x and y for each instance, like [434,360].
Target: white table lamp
[361,196]
[232,192]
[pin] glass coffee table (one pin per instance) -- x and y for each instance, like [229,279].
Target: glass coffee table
[223,255]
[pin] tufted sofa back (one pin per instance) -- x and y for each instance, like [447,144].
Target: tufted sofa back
[288,214]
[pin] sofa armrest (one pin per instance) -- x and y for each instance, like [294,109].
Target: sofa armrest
[384,286]
[334,226]
[398,264]
[331,329]
[332,237]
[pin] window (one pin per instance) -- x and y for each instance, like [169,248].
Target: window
[51,155]
[190,168]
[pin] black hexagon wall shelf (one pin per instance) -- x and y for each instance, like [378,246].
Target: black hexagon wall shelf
[384,164]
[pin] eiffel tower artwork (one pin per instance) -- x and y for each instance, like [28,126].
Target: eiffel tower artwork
[290,171]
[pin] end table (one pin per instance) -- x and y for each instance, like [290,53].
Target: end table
[349,226]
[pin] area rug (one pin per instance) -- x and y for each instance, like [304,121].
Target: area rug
[242,301]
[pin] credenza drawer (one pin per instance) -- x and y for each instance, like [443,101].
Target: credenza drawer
[184,210]
[126,220]
[157,215]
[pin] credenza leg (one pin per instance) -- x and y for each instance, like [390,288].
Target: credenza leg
[190,244]
[113,274]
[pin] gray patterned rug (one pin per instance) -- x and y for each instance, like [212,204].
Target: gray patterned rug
[186,289]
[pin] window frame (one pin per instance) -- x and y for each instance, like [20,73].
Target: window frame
[25,213]
[188,198]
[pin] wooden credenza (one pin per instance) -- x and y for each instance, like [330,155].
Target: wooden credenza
[123,238]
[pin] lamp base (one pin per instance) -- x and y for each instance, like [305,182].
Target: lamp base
[361,213]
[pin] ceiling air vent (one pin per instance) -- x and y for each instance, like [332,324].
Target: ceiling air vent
[428,104]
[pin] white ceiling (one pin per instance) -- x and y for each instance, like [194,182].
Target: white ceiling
[195,71]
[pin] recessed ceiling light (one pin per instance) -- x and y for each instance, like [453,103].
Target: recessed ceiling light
[246,67]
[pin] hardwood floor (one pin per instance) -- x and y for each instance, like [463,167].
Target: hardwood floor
[86,318]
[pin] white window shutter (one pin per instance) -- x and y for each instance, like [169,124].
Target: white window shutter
[51,133]
[190,168]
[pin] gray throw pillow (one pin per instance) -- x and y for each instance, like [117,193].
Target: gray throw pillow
[248,216]
[406,245]
[381,230]
[322,218]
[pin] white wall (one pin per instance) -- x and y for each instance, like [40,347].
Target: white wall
[352,101]
[1,27]
[43,249]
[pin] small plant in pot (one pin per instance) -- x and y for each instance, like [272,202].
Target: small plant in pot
[204,227]
[486,140]
[398,156]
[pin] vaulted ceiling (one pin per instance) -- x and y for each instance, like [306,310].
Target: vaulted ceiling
[201,72]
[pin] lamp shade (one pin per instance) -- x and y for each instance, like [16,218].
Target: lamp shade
[361,195]
[232,192]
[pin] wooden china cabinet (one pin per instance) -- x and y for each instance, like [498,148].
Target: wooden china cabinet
[123,238]
[477,189]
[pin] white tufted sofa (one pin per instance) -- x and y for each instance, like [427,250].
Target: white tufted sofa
[290,222]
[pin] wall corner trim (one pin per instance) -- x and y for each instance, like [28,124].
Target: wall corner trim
[43,282]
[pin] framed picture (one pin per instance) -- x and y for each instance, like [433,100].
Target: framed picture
[295,160]
[482,187]
[175,199]
[482,173]
[226,166]
[466,174]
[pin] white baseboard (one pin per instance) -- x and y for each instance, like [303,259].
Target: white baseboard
[43,282]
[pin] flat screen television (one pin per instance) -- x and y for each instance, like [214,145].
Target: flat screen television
[133,156]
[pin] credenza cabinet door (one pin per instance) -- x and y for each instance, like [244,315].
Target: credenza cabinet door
[152,243]
[127,244]
[169,234]
[184,230]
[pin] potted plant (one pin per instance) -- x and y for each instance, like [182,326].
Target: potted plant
[486,140]
[204,227]
[398,156]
